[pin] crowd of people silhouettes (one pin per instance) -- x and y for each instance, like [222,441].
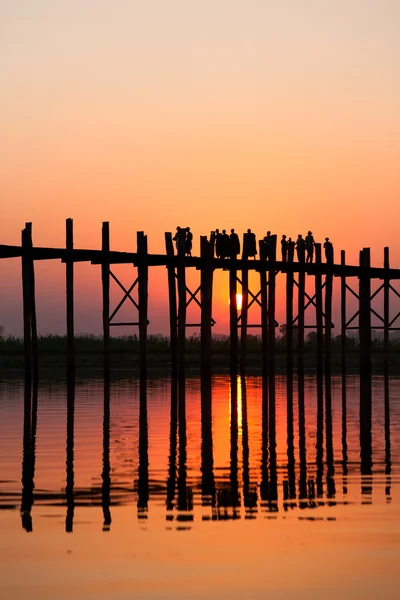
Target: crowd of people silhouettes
[228,246]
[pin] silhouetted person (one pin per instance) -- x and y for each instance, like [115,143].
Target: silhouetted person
[309,247]
[189,239]
[284,248]
[268,246]
[251,243]
[234,243]
[176,238]
[328,251]
[225,244]
[218,241]
[290,248]
[300,247]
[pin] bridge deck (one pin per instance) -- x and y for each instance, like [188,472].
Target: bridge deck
[154,260]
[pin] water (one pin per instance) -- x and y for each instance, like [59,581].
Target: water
[150,499]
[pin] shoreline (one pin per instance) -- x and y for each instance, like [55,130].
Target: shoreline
[161,363]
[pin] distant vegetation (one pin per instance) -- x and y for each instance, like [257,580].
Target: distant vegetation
[159,345]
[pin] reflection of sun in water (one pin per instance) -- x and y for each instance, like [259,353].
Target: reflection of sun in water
[239,411]
[239,405]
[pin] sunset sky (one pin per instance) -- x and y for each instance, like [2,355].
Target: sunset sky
[270,115]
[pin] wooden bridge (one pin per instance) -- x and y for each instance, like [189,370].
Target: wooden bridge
[180,296]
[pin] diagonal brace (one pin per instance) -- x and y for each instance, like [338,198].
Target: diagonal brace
[127,295]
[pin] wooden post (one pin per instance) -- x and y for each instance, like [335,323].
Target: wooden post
[245,303]
[143,471]
[365,360]
[29,271]
[328,313]
[343,310]
[105,277]
[234,500]
[264,336]
[318,311]
[171,482]
[206,282]
[143,276]
[69,488]
[300,320]
[26,297]
[386,318]
[173,315]
[34,338]
[319,322]
[271,348]
[181,304]
[69,266]
[207,460]
[105,476]
[289,373]
[343,319]
[233,316]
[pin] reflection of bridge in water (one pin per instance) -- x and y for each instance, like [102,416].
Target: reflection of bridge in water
[296,483]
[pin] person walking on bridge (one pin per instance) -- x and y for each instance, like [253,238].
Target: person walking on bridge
[328,251]
[225,245]
[189,240]
[234,243]
[268,241]
[310,247]
[300,248]
[284,248]
[218,240]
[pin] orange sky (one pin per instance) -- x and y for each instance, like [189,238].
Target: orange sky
[218,114]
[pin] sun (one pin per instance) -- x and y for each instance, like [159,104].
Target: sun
[239,299]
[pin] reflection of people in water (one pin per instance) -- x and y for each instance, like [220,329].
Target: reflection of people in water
[309,247]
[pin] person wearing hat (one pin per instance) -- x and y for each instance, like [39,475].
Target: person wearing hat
[309,247]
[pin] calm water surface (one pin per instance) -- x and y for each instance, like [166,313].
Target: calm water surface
[159,497]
